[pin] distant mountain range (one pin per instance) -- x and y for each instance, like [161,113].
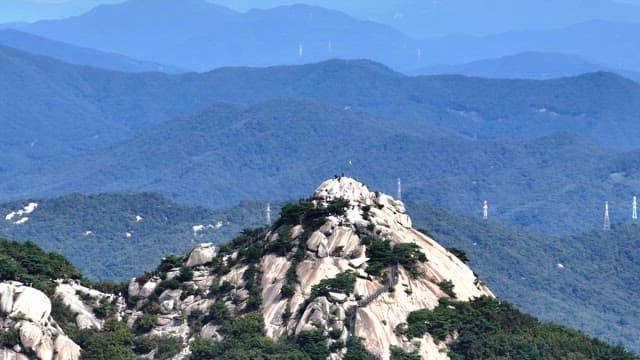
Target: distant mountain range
[148,132]
[526,65]
[231,153]
[611,43]
[77,55]
[423,19]
[197,35]
[600,106]
[418,19]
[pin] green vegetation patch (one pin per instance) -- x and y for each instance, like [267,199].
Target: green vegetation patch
[447,286]
[382,254]
[309,214]
[491,329]
[343,282]
[313,343]
[28,263]
[244,338]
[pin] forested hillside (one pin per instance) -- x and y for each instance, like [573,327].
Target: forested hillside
[121,105]
[116,236]
[76,54]
[230,153]
[50,150]
[580,280]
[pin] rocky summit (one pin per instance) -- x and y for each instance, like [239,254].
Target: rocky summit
[344,263]
[380,300]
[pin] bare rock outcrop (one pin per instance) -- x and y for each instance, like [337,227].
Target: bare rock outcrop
[66,349]
[336,247]
[30,304]
[201,255]
[28,310]
[70,294]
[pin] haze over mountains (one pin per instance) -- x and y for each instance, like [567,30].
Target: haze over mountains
[418,19]
[215,36]
[77,55]
[147,132]
[196,35]
[609,43]
[423,19]
[526,65]
[119,103]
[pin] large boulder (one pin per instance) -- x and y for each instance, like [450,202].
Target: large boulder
[44,350]
[338,297]
[31,304]
[346,188]
[66,349]
[315,240]
[30,334]
[169,301]
[343,238]
[149,287]
[201,255]
[315,316]
[134,287]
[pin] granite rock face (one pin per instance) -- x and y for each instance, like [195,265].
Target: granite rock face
[336,247]
[201,255]
[27,310]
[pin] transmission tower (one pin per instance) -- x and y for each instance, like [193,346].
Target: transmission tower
[485,210]
[634,213]
[607,221]
[268,212]
[399,192]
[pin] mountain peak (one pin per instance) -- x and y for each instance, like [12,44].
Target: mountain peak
[349,248]
[343,187]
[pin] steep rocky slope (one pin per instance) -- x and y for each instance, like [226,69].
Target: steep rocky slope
[319,272]
[338,246]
